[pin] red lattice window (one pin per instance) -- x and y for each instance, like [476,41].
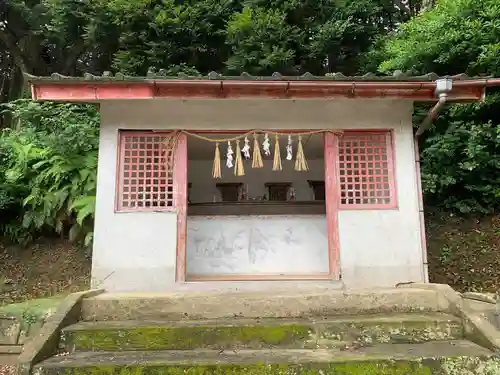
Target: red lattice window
[145,176]
[366,170]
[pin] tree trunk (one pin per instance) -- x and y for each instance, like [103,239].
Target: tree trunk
[17,83]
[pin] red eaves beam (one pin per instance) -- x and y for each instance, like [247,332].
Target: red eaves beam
[85,91]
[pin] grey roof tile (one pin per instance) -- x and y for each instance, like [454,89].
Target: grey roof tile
[161,75]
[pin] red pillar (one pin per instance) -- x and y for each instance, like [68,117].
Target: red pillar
[180,191]
[332,204]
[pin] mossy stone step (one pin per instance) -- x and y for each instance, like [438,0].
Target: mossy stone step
[264,333]
[440,358]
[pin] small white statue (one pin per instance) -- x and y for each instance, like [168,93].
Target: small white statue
[246,149]
[229,155]
[266,145]
[289,150]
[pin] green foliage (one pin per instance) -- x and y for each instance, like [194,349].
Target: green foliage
[294,36]
[460,162]
[456,36]
[231,36]
[48,170]
[461,167]
[166,34]
[48,154]
[262,41]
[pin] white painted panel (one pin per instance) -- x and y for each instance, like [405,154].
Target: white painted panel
[257,245]
[383,247]
[263,113]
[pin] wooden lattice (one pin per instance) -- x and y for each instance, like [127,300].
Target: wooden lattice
[366,175]
[146,181]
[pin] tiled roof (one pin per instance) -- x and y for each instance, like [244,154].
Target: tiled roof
[162,75]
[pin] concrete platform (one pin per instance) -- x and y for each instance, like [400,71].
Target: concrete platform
[288,303]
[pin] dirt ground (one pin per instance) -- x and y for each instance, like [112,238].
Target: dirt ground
[6,369]
[47,268]
[462,252]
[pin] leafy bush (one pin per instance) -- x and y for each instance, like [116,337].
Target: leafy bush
[460,158]
[460,154]
[461,168]
[48,170]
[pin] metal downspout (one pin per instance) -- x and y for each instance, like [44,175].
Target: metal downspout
[433,113]
[423,240]
[443,87]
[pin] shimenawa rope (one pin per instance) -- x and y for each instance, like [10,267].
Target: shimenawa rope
[300,162]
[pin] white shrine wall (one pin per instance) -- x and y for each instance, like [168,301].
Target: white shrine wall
[137,251]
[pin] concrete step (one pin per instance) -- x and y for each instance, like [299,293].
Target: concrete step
[264,304]
[10,349]
[408,359]
[261,333]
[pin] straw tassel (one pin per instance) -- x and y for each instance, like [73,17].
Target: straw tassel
[257,157]
[238,165]
[277,156]
[216,171]
[300,161]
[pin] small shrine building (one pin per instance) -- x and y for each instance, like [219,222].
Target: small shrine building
[239,179]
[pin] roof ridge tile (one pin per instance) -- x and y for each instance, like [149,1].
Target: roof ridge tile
[161,74]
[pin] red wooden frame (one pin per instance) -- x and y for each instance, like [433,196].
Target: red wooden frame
[331,213]
[179,177]
[262,277]
[332,198]
[120,186]
[391,169]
